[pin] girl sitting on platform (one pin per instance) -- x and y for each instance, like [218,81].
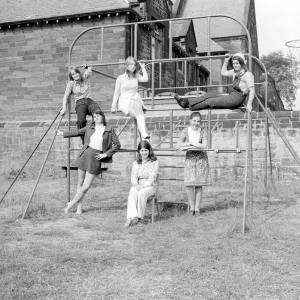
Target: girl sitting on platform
[143,179]
[243,85]
[126,92]
[100,143]
[196,169]
[79,86]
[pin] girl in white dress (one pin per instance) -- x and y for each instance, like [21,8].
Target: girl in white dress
[127,96]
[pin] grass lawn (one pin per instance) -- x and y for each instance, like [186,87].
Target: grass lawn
[51,255]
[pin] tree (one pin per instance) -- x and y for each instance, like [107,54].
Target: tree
[284,68]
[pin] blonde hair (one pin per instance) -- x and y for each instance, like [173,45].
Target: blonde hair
[137,65]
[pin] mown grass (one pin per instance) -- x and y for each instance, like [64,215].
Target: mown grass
[53,256]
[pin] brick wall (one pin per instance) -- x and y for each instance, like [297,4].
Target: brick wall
[34,65]
[18,139]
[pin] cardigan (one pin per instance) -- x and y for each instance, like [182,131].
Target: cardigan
[110,143]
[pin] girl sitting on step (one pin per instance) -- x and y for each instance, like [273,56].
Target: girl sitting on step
[127,96]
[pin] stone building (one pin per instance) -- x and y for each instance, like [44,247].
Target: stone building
[35,41]
[227,36]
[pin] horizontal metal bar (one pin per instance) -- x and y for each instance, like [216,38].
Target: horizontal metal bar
[161,60]
[172,167]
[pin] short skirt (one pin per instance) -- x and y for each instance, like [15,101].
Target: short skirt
[135,108]
[88,162]
[131,104]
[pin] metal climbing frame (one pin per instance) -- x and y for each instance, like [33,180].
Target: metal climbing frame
[247,183]
[134,30]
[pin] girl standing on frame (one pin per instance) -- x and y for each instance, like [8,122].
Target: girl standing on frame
[100,144]
[127,96]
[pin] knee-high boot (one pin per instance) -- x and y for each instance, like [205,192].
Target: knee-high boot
[142,126]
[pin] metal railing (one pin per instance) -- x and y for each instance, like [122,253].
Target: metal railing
[209,57]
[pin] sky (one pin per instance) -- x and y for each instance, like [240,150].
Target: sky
[277,22]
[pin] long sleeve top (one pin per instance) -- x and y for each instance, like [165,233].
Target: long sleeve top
[127,89]
[145,174]
[81,89]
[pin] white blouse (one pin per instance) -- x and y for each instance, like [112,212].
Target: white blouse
[194,135]
[97,138]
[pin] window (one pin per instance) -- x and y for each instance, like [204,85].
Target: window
[157,43]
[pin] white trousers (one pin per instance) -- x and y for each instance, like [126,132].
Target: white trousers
[137,201]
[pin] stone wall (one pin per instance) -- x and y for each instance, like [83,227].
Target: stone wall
[19,138]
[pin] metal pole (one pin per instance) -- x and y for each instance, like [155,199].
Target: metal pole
[209,129]
[29,157]
[170,40]
[135,39]
[69,154]
[171,128]
[250,167]
[160,75]
[237,132]
[105,74]
[280,133]
[208,49]
[153,83]
[162,140]
[267,137]
[124,126]
[246,176]
[102,44]
[159,134]
[41,170]
[185,73]
[131,40]
[135,132]
[270,152]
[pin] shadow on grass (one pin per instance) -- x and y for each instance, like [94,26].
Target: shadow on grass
[104,208]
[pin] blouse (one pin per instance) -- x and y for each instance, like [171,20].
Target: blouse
[247,80]
[97,138]
[189,135]
[145,174]
[81,89]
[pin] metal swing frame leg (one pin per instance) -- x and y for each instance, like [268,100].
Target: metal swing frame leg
[29,158]
[41,170]
[248,183]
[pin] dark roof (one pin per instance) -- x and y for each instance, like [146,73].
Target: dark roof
[180,28]
[202,43]
[26,10]
[220,27]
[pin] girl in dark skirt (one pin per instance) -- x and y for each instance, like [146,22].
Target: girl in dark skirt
[243,85]
[100,143]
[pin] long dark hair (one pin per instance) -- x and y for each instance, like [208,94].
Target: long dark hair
[145,145]
[98,111]
[76,70]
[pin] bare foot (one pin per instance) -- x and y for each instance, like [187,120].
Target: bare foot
[66,210]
